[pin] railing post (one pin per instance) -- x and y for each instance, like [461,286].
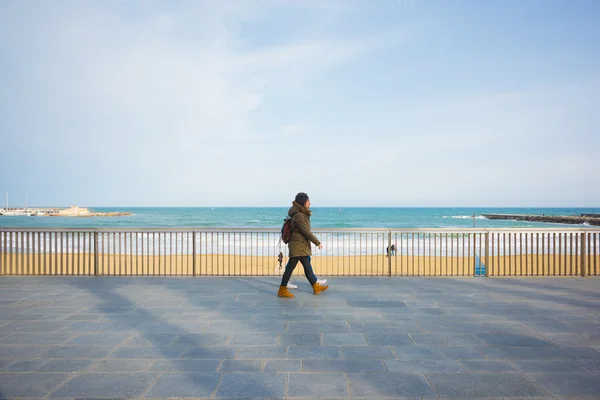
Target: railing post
[96,253]
[2,251]
[193,252]
[389,253]
[487,252]
[583,251]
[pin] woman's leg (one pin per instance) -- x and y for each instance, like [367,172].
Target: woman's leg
[312,271]
[289,269]
[308,271]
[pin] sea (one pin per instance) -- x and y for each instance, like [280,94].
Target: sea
[272,217]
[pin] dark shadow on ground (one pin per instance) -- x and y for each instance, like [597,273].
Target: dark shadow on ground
[104,288]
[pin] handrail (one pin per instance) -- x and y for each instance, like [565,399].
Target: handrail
[196,251]
[250,229]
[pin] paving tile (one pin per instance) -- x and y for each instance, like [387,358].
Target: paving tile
[261,352]
[392,385]
[23,365]
[567,384]
[159,326]
[151,338]
[385,339]
[294,318]
[6,319]
[340,317]
[412,352]
[440,339]
[174,385]
[200,365]
[430,310]
[548,366]
[299,339]
[141,352]
[66,365]
[125,385]
[241,366]
[33,326]
[99,339]
[97,327]
[385,327]
[318,386]
[447,327]
[38,339]
[423,366]
[210,352]
[22,351]
[201,339]
[344,339]
[253,339]
[121,365]
[309,352]
[78,352]
[550,326]
[460,352]
[367,352]
[351,366]
[569,339]
[523,353]
[283,366]
[500,384]
[506,327]
[513,339]
[582,352]
[247,326]
[487,366]
[592,365]
[30,384]
[376,304]
[252,385]
[317,327]
[85,317]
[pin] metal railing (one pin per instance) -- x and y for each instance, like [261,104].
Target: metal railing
[346,252]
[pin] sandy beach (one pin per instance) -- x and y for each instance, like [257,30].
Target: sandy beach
[237,265]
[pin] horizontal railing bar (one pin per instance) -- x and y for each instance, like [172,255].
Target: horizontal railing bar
[322,230]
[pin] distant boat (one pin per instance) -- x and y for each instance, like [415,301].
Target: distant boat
[25,212]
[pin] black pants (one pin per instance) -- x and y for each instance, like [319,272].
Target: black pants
[291,266]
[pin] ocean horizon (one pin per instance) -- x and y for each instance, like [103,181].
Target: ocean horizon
[323,217]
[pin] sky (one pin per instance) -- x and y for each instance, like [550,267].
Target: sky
[401,103]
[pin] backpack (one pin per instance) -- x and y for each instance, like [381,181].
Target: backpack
[286,230]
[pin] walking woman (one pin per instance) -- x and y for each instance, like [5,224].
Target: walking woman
[299,246]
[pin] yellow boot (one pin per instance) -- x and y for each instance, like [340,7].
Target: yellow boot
[319,288]
[283,292]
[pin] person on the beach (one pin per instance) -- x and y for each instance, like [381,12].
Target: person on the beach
[280,259]
[299,245]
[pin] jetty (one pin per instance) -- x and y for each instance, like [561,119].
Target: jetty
[73,211]
[553,219]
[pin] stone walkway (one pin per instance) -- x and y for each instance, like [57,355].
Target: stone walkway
[369,338]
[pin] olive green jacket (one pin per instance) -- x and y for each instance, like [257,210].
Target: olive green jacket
[299,244]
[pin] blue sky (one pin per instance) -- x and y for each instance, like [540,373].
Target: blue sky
[245,103]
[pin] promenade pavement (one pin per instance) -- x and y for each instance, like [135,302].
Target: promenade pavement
[366,337]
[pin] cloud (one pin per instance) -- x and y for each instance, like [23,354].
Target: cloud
[204,103]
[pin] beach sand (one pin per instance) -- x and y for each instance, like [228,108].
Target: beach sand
[324,266]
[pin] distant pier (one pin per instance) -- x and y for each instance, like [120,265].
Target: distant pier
[592,219]
[73,211]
